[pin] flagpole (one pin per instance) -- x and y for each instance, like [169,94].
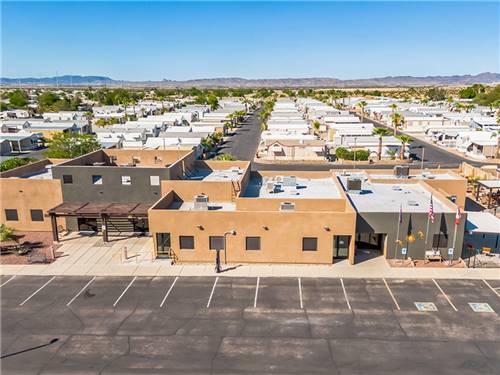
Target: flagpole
[427,229]
[400,218]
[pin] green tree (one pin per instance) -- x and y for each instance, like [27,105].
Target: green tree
[489,96]
[436,94]
[71,145]
[225,157]
[213,102]
[381,132]
[362,104]
[15,163]
[18,98]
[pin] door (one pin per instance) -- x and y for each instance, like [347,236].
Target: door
[87,224]
[163,245]
[341,247]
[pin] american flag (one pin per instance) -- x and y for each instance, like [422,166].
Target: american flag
[431,211]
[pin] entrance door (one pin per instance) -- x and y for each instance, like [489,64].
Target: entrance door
[341,247]
[163,245]
[87,224]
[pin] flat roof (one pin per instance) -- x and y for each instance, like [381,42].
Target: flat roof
[382,197]
[490,184]
[212,206]
[42,174]
[216,175]
[306,188]
[417,176]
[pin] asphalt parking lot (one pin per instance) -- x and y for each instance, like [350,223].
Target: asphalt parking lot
[225,325]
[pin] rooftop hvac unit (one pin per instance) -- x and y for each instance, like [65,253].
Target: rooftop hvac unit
[287,206]
[290,181]
[270,187]
[354,185]
[402,171]
[201,202]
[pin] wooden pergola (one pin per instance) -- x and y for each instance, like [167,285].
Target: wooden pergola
[493,187]
[103,210]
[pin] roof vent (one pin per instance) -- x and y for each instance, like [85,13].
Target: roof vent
[397,188]
[290,181]
[354,185]
[287,206]
[412,203]
[201,202]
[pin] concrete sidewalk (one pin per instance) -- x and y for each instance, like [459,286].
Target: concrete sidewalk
[81,256]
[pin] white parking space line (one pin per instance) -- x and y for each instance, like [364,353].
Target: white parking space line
[300,295]
[345,294]
[81,291]
[392,295]
[445,296]
[36,291]
[123,293]
[168,292]
[212,292]
[487,283]
[256,293]
[7,281]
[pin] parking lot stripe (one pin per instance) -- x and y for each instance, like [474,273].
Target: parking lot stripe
[212,292]
[487,283]
[81,291]
[256,292]
[121,295]
[300,295]
[36,291]
[7,281]
[168,292]
[345,294]
[445,296]
[392,295]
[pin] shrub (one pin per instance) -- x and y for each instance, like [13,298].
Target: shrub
[14,163]
[345,154]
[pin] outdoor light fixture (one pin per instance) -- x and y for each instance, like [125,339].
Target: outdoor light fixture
[265,227]
[327,229]
[200,227]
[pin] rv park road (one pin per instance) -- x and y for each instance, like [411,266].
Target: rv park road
[207,325]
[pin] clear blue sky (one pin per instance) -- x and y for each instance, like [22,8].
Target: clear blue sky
[157,40]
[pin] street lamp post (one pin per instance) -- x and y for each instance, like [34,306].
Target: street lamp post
[422,161]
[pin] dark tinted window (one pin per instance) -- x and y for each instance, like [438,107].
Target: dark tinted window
[253,243]
[440,240]
[67,179]
[11,215]
[216,243]
[36,215]
[309,244]
[186,242]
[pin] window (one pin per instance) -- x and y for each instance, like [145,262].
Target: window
[126,180]
[36,215]
[67,179]
[309,244]
[154,180]
[440,240]
[11,214]
[186,242]
[97,179]
[253,243]
[216,242]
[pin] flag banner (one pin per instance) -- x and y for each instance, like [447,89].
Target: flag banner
[431,211]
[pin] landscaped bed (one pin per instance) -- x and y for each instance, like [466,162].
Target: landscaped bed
[30,248]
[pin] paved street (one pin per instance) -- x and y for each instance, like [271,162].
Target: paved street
[208,325]
[242,144]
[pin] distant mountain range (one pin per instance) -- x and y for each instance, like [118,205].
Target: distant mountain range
[399,81]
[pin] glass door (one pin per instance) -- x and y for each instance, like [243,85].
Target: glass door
[341,247]
[163,245]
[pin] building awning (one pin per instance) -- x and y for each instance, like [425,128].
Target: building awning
[100,208]
[482,222]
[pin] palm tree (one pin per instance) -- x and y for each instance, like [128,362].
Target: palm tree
[393,106]
[380,132]
[405,139]
[362,104]
[316,125]
[397,120]
[392,153]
